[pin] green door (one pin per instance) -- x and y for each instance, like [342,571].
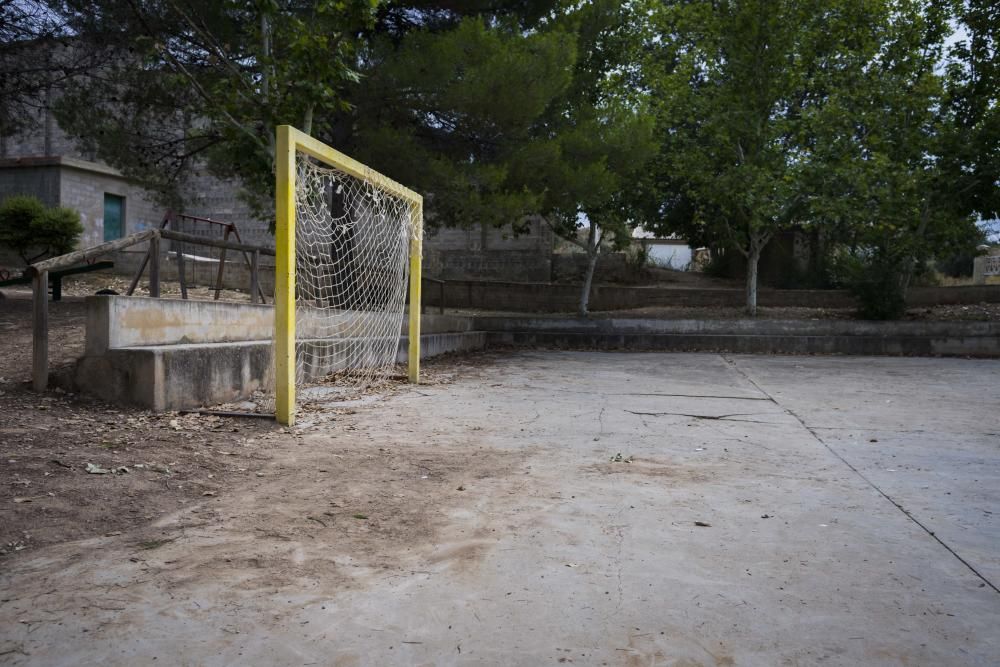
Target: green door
[114,217]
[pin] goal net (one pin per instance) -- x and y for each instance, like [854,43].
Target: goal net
[348,248]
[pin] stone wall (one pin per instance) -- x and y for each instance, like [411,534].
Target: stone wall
[612,267]
[208,196]
[556,298]
[489,253]
[28,178]
[41,138]
[82,187]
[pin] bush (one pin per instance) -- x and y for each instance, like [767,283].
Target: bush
[637,259]
[58,229]
[876,281]
[16,217]
[33,231]
[722,264]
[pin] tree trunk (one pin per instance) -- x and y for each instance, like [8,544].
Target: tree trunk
[593,250]
[587,280]
[907,274]
[753,258]
[307,120]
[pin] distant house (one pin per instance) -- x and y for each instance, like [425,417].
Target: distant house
[43,161]
[669,252]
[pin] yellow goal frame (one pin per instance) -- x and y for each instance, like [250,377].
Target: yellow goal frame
[290,142]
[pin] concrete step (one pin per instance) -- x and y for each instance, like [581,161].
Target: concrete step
[190,375]
[813,327]
[883,345]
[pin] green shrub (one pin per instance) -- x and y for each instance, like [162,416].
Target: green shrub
[16,217]
[26,226]
[637,259]
[876,281]
[722,264]
[58,229]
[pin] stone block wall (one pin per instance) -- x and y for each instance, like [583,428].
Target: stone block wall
[612,267]
[82,187]
[38,180]
[489,253]
[41,138]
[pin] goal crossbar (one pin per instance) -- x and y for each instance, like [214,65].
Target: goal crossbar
[291,141]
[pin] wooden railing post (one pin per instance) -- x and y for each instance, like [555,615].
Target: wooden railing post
[254,280]
[222,263]
[181,277]
[40,331]
[154,267]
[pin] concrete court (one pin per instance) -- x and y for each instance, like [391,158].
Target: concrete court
[852,506]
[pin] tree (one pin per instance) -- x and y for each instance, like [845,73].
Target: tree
[895,178]
[971,147]
[738,82]
[509,110]
[448,107]
[598,135]
[187,82]
[829,114]
[37,56]
[27,226]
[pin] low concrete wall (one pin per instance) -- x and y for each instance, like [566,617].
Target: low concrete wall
[175,377]
[927,346]
[178,377]
[629,326]
[977,339]
[171,354]
[115,322]
[555,298]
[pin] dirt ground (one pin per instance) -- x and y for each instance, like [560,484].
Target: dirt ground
[148,465]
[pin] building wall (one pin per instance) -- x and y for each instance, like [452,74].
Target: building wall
[21,178]
[208,196]
[84,183]
[675,256]
[43,138]
[83,188]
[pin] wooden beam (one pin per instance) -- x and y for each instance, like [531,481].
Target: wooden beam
[246,258]
[222,264]
[40,331]
[138,275]
[254,280]
[181,277]
[81,256]
[214,243]
[154,267]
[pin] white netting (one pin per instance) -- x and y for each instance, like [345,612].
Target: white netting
[351,264]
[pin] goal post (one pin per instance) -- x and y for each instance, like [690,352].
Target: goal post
[293,145]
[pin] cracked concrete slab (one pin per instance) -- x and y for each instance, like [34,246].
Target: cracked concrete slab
[817,550]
